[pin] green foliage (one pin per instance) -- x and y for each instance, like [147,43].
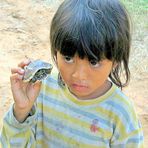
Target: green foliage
[138,10]
[136,6]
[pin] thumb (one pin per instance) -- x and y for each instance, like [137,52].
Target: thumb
[33,90]
[37,85]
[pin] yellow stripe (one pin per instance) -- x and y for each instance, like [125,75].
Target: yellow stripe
[11,130]
[66,117]
[50,90]
[67,140]
[128,105]
[73,121]
[132,134]
[105,113]
[133,145]
[42,143]
[121,127]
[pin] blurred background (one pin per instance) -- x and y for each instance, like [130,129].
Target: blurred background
[24,32]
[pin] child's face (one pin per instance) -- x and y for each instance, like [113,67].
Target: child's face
[85,79]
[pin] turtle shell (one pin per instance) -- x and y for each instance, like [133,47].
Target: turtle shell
[36,70]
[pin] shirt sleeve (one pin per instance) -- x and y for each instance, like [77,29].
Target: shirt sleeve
[130,136]
[15,134]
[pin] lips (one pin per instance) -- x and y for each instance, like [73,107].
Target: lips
[79,87]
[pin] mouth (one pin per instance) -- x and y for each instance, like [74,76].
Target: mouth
[79,87]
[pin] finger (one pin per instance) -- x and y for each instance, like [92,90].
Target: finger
[15,77]
[17,70]
[33,90]
[24,63]
[37,84]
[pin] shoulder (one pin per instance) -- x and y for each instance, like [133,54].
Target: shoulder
[126,121]
[122,108]
[120,101]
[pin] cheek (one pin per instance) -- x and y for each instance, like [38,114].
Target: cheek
[98,80]
[100,77]
[60,64]
[64,72]
[63,69]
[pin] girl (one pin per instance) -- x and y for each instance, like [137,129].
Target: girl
[81,106]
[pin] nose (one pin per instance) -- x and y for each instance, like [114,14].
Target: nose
[80,72]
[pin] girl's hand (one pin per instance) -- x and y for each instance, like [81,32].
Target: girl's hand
[24,94]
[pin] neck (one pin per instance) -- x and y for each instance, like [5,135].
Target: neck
[99,92]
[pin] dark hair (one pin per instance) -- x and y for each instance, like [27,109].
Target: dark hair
[95,29]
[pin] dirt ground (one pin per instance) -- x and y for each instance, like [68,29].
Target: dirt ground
[24,32]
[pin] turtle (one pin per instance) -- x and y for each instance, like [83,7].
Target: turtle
[36,70]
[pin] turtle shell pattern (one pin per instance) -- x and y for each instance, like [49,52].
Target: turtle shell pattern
[37,70]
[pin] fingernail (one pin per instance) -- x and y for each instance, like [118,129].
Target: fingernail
[21,71]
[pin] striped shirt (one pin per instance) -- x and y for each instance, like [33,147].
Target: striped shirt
[59,119]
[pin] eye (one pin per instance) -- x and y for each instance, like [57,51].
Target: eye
[94,63]
[68,59]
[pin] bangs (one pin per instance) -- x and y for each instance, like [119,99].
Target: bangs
[83,40]
[71,47]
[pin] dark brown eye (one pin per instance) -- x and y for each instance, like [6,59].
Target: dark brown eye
[94,63]
[68,59]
